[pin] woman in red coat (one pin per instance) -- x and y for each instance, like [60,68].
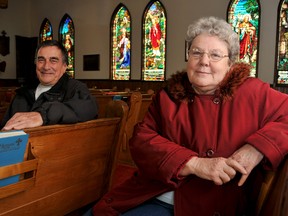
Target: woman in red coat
[207,137]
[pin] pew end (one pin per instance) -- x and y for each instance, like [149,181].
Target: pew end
[273,197]
[138,105]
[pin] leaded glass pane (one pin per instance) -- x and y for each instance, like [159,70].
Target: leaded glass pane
[67,37]
[244,15]
[121,44]
[154,42]
[282,57]
[46,32]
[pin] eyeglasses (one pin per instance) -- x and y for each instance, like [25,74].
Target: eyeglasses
[213,56]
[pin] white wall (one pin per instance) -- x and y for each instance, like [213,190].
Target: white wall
[15,20]
[92,25]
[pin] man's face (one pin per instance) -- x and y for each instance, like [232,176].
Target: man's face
[49,65]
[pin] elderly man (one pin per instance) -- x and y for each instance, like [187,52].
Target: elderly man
[57,98]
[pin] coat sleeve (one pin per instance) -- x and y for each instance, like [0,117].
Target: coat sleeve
[156,155]
[272,137]
[78,106]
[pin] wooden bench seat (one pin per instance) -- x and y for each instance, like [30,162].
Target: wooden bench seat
[74,166]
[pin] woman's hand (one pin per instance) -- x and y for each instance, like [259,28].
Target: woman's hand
[214,169]
[222,170]
[249,157]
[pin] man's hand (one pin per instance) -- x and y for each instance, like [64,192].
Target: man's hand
[23,120]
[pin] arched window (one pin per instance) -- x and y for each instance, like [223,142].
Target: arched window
[121,43]
[67,38]
[281,72]
[154,42]
[46,32]
[244,17]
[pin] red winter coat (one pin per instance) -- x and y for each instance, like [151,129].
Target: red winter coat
[181,124]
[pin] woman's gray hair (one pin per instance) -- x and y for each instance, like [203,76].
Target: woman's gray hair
[216,27]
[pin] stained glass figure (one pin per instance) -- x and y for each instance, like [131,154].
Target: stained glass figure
[244,17]
[46,32]
[154,42]
[121,43]
[281,76]
[67,38]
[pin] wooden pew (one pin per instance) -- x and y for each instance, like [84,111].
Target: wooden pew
[145,103]
[273,198]
[134,103]
[138,108]
[72,166]
[104,100]
[138,105]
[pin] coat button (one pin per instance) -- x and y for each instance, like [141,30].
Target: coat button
[109,200]
[216,100]
[216,214]
[210,153]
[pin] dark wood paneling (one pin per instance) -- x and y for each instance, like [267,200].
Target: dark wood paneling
[121,85]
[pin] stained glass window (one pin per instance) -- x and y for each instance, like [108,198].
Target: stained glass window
[281,77]
[154,42]
[46,32]
[244,17]
[67,37]
[121,43]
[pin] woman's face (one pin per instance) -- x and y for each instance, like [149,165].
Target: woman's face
[206,71]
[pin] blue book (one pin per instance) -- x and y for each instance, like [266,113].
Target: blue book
[12,150]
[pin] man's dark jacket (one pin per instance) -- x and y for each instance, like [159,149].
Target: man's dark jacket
[68,101]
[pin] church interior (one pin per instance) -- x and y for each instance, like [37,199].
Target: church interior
[118,60]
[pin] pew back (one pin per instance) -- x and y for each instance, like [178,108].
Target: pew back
[75,165]
[273,199]
[138,105]
[104,100]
